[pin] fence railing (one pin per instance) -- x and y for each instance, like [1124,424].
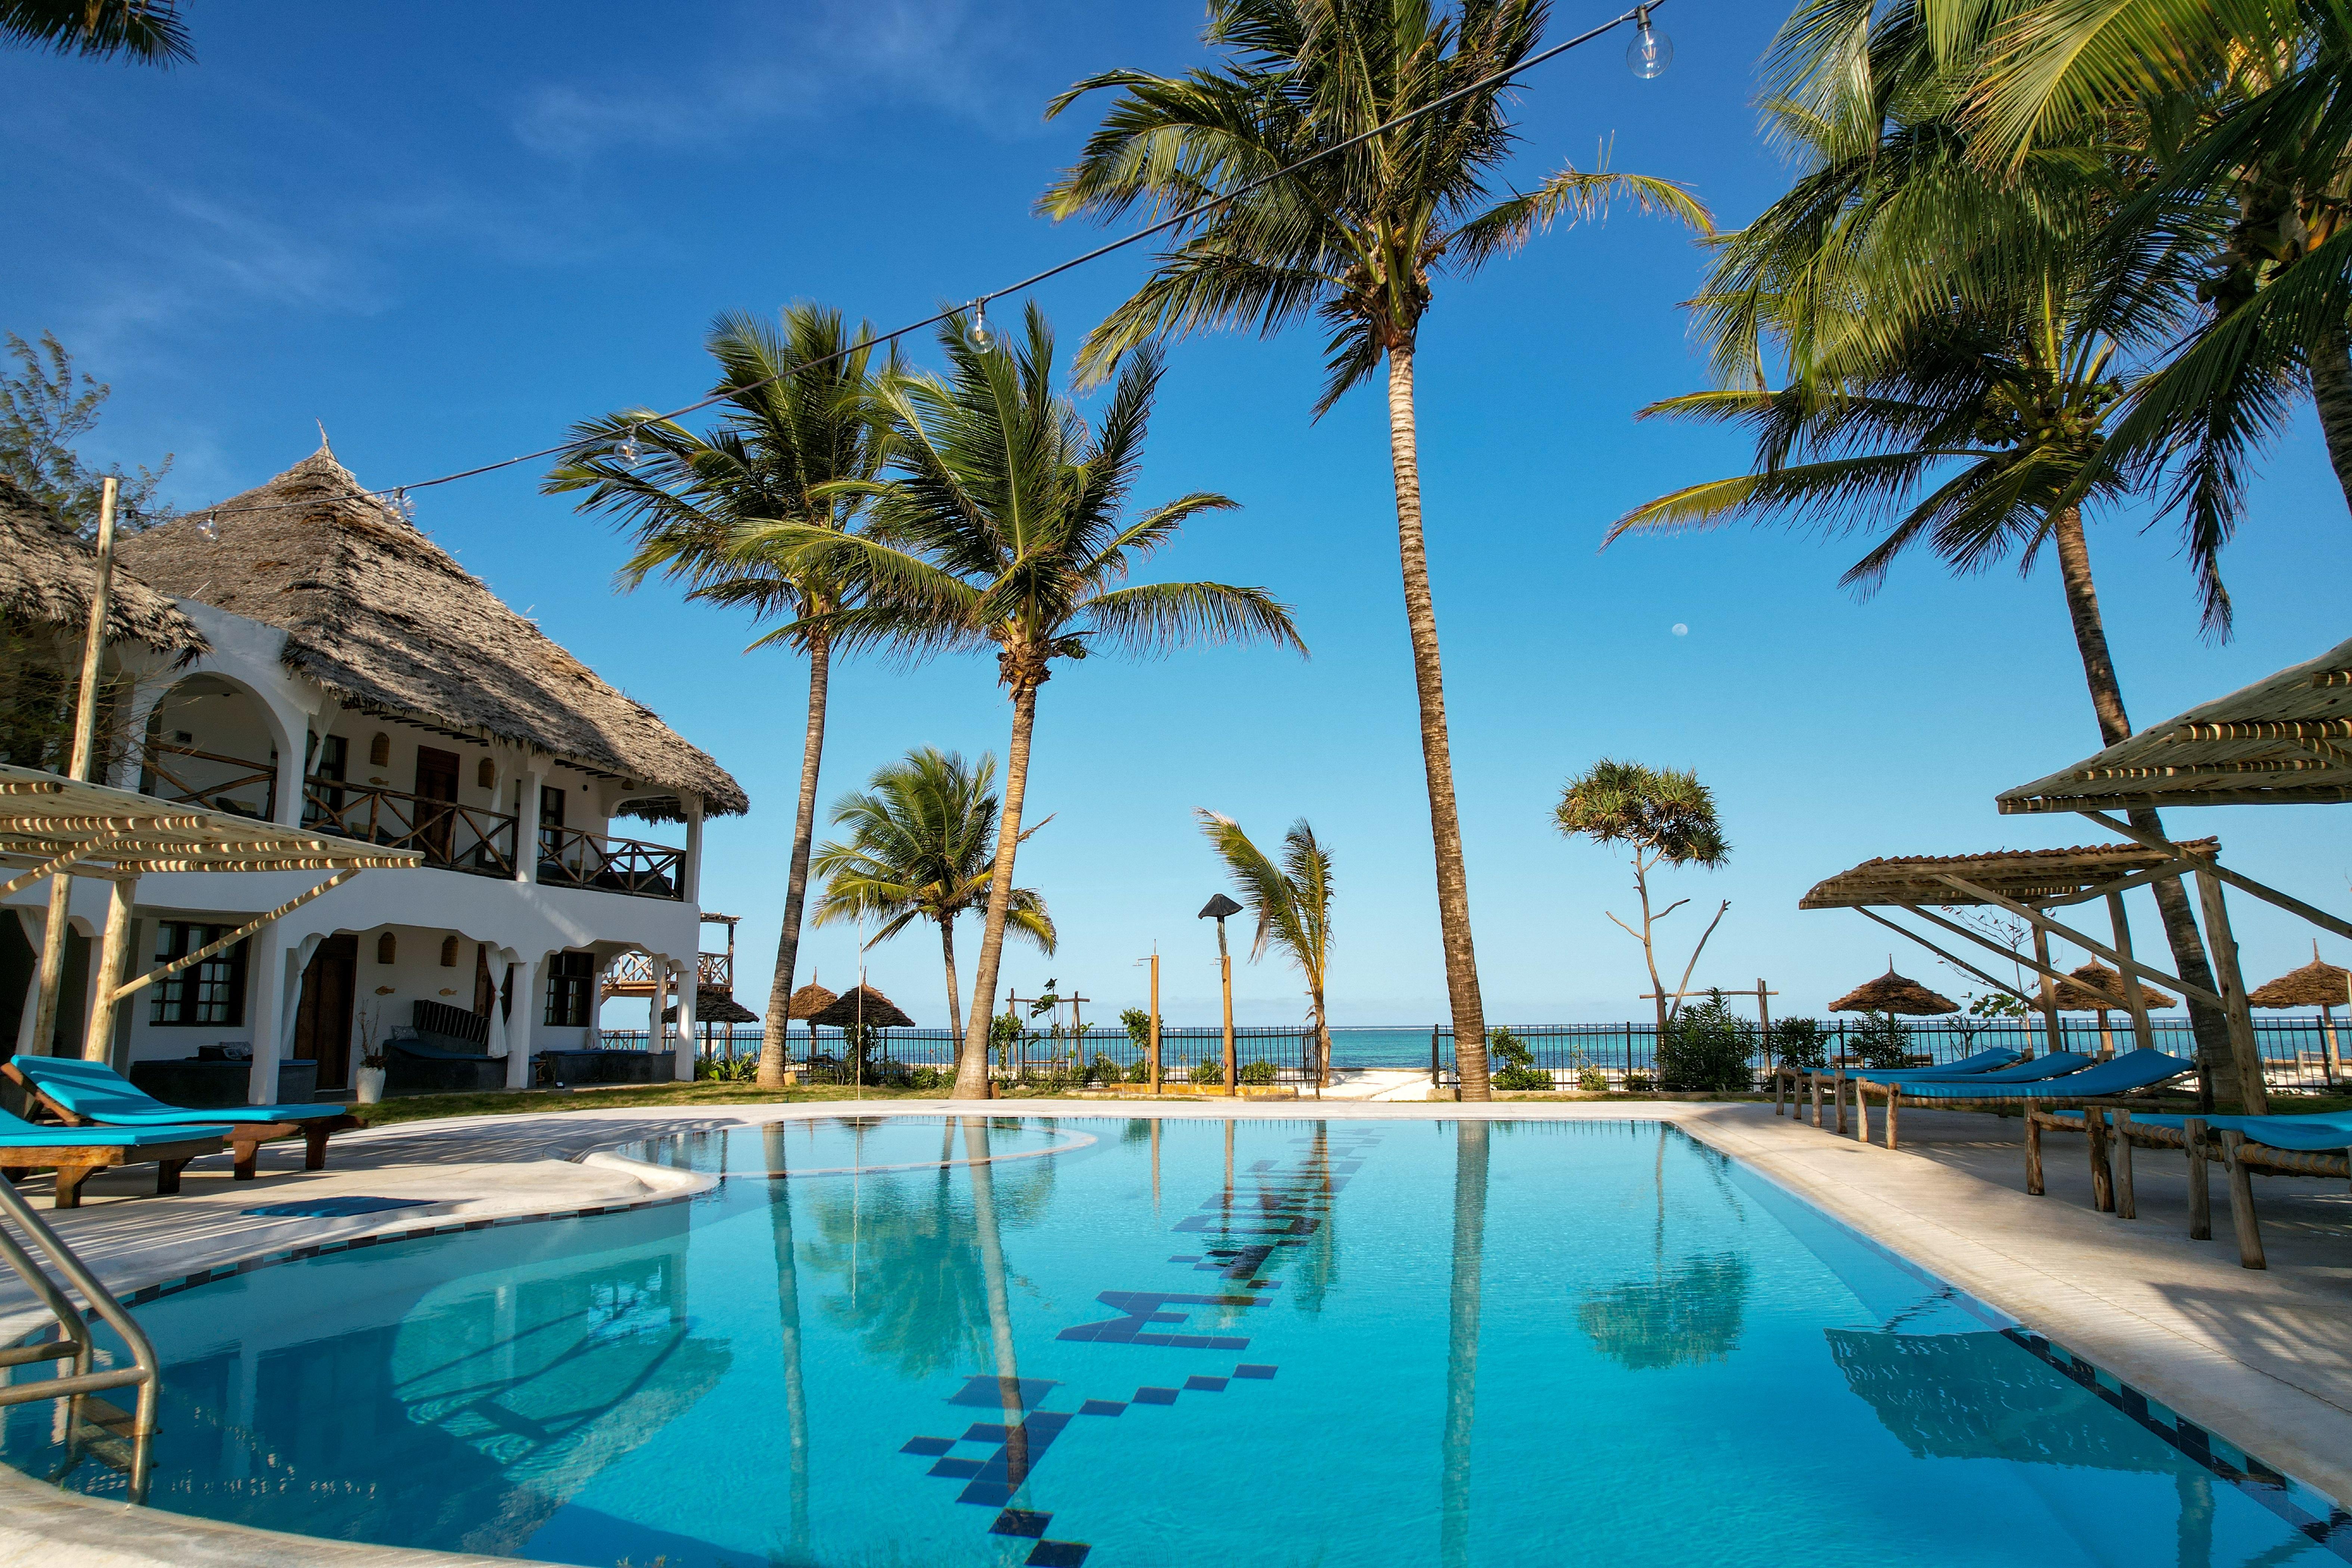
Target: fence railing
[449,836]
[574,857]
[224,783]
[2298,1053]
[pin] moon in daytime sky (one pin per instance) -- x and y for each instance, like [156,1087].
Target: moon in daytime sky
[1681,629]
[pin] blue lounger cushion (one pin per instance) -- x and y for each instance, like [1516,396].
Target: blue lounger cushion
[2140,1069]
[16,1133]
[96,1090]
[2322,1134]
[1983,1061]
[2055,1064]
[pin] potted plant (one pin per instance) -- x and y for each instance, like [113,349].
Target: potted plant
[372,1060]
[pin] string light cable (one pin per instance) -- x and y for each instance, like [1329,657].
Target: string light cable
[1646,57]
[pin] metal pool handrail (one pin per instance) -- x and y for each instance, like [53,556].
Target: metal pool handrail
[74,1344]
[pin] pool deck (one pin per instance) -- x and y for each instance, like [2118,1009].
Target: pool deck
[2262,1359]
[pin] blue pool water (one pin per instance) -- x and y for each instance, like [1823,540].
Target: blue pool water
[1114,1341]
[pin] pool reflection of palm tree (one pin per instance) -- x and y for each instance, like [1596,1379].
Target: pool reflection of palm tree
[1680,1316]
[788,1315]
[1000,1303]
[1470,1140]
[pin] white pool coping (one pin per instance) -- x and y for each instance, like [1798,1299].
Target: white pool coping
[2262,1359]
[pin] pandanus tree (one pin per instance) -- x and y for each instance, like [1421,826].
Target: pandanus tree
[794,424]
[1004,524]
[1954,351]
[1292,900]
[922,846]
[1355,240]
[1660,817]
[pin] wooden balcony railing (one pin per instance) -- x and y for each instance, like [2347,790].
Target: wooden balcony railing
[235,784]
[631,974]
[574,857]
[450,836]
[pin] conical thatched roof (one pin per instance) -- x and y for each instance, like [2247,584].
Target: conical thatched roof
[2316,985]
[384,618]
[714,1006]
[810,1000]
[1894,993]
[46,574]
[2075,998]
[865,1002]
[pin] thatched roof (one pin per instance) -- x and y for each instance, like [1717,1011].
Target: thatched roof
[714,1006]
[2075,998]
[383,618]
[866,1003]
[1894,993]
[2316,985]
[46,574]
[2024,876]
[810,1000]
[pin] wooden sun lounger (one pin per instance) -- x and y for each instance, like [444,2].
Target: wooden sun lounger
[246,1131]
[26,1148]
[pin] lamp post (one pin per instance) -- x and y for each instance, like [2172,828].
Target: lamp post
[1217,909]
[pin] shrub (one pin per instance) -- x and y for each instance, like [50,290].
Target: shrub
[1519,1069]
[1637,1083]
[1591,1080]
[1141,1071]
[1801,1042]
[723,1069]
[1138,1026]
[1253,1072]
[1207,1070]
[931,1078]
[1103,1070]
[1881,1042]
[1706,1049]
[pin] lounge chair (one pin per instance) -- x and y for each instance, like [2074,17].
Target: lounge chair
[2142,1069]
[1800,1079]
[2319,1145]
[81,1093]
[78,1153]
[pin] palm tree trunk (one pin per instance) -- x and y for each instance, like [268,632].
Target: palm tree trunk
[1322,1045]
[955,997]
[1436,754]
[971,1072]
[2331,394]
[788,941]
[2211,1029]
[788,1310]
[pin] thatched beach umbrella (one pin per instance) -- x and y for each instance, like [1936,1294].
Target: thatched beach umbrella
[2316,985]
[1894,993]
[2081,992]
[807,1003]
[713,1006]
[862,1006]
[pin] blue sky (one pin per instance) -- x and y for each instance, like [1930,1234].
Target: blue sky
[447,232]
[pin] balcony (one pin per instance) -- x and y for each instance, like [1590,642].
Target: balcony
[574,857]
[454,837]
[631,974]
[208,778]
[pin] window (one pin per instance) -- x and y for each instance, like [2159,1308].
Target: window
[448,952]
[212,992]
[569,977]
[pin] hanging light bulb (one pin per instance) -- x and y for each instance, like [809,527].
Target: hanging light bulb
[978,331]
[1650,52]
[208,529]
[404,505]
[629,452]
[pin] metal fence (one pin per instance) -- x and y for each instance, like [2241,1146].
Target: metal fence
[2299,1053]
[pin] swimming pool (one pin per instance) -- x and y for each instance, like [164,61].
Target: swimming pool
[999,1341]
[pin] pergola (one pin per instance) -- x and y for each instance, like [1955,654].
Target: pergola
[51,826]
[2029,885]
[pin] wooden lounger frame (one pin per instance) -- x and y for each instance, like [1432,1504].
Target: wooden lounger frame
[245,1138]
[76,1164]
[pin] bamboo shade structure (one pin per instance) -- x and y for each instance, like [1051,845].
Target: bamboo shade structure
[2025,876]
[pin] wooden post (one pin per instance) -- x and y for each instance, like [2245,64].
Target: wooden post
[1433,1059]
[2142,1033]
[2241,1203]
[97,1043]
[2127,1205]
[1861,1112]
[2200,1195]
[2253,1098]
[1155,1068]
[2103,1181]
[2049,992]
[1815,1080]
[1894,1103]
[2327,1032]
[1764,1040]
[2033,1152]
[1837,1095]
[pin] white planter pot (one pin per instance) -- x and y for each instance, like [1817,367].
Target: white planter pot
[371,1085]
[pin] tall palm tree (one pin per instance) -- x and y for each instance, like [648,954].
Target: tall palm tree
[1353,240]
[1293,903]
[797,419]
[1953,370]
[1004,525]
[146,32]
[922,846]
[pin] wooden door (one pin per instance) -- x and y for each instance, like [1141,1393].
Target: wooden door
[437,780]
[322,1020]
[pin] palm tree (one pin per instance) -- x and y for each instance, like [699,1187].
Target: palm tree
[1665,818]
[922,846]
[146,32]
[1293,900]
[796,419]
[1352,240]
[1003,525]
[1464,1298]
[1954,359]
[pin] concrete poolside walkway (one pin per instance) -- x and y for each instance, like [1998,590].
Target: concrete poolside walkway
[2262,1359]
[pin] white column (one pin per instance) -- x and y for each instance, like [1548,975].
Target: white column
[528,784]
[689,994]
[530,999]
[265,965]
[292,768]
[659,1002]
[145,695]
[691,876]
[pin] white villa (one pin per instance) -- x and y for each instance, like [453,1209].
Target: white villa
[330,667]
